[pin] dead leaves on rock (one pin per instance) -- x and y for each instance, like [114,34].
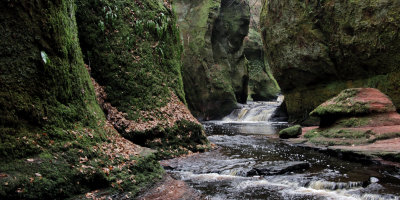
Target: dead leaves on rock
[164,117]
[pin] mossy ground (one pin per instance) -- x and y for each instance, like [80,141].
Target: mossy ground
[343,136]
[77,163]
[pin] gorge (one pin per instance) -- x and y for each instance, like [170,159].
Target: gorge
[185,99]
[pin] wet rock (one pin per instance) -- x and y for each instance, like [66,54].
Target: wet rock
[280,168]
[291,132]
[318,48]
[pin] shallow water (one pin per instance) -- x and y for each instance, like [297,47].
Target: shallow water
[224,173]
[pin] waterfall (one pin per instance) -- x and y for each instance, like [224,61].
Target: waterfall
[254,111]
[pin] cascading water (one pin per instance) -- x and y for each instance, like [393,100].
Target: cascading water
[250,164]
[254,112]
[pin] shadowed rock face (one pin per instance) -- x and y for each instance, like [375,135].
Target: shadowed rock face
[262,85]
[318,48]
[214,68]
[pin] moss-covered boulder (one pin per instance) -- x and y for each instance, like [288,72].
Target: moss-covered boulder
[262,85]
[54,141]
[291,132]
[318,48]
[134,51]
[355,116]
[214,68]
[355,101]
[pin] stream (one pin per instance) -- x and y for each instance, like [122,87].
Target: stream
[250,162]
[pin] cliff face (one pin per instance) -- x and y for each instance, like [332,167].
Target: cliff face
[54,141]
[134,51]
[262,85]
[214,67]
[318,48]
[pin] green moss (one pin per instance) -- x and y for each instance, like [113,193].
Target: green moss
[384,137]
[135,52]
[315,46]
[183,137]
[290,132]
[338,136]
[352,122]
[301,101]
[50,119]
[214,73]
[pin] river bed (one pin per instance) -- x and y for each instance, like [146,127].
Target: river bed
[251,163]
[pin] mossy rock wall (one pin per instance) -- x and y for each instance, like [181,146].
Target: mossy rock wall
[262,85]
[316,49]
[134,51]
[214,69]
[52,131]
[44,81]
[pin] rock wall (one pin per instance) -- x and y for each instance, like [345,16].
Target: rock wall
[214,69]
[54,141]
[134,51]
[318,48]
[262,85]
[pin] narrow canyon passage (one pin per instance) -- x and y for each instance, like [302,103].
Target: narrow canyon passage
[251,163]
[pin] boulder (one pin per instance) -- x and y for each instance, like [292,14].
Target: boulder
[291,132]
[215,73]
[353,102]
[318,48]
[357,116]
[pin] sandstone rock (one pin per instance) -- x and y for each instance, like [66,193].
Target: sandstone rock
[354,102]
[357,116]
[318,48]
[214,68]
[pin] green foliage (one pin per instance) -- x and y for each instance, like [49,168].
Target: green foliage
[135,53]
